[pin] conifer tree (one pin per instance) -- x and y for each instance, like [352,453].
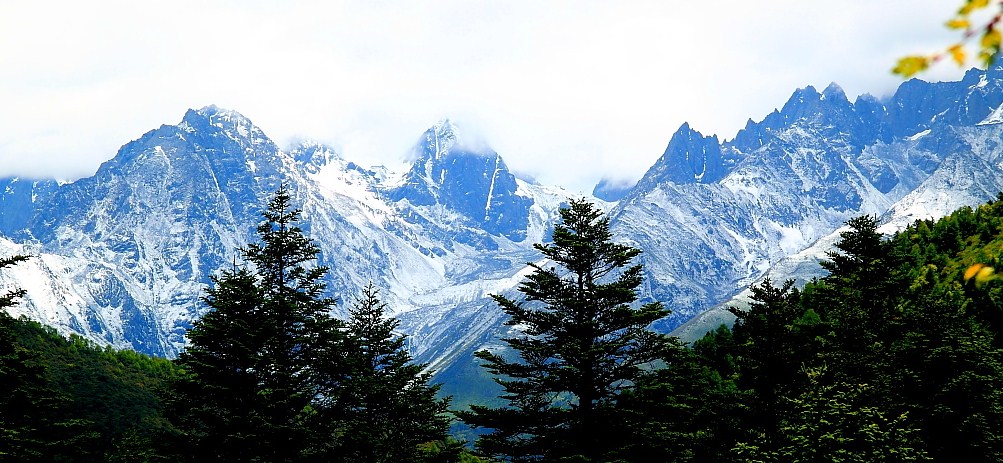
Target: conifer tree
[680,412]
[219,393]
[582,343]
[863,284]
[251,368]
[393,408]
[295,316]
[10,298]
[775,340]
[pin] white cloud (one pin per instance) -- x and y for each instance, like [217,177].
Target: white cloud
[567,91]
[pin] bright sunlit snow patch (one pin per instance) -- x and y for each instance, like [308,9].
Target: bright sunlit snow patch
[994,117]
[791,239]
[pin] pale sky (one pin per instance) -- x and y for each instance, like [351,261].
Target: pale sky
[566,91]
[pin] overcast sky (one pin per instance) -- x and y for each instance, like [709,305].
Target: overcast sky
[566,91]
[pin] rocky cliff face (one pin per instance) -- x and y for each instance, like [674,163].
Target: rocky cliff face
[797,175]
[127,252]
[122,256]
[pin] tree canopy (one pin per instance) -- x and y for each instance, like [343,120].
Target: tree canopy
[271,375]
[581,342]
[896,355]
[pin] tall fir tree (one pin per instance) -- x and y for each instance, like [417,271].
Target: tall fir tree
[296,314]
[582,343]
[682,411]
[217,398]
[861,294]
[394,409]
[251,374]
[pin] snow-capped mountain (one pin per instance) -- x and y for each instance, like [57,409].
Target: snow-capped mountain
[128,251]
[122,257]
[742,205]
[474,183]
[929,165]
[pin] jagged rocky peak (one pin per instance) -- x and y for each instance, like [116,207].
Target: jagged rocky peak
[808,104]
[868,103]
[918,105]
[221,118]
[436,142]
[834,93]
[690,157]
[829,114]
[213,121]
[442,154]
[313,154]
[802,100]
[466,175]
[208,138]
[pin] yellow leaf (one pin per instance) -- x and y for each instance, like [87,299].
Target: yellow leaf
[991,39]
[972,5]
[958,23]
[911,65]
[958,54]
[973,270]
[982,274]
[987,273]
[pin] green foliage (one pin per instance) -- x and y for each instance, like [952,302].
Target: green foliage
[682,411]
[582,345]
[394,411]
[71,400]
[830,423]
[774,339]
[271,376]
[891,357]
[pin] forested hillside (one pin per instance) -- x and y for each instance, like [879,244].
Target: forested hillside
[71,400]
[895,355]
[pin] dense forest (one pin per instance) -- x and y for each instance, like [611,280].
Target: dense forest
[895,355]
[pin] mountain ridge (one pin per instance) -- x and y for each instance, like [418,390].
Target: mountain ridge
[126,252]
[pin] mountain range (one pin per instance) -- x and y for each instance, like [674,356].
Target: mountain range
[123,256]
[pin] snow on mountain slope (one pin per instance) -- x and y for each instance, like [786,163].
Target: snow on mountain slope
[18,200]
[968,171]
[798,175]
[123,256]
[797,182]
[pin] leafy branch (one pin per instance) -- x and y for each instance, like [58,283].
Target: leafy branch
[987,49]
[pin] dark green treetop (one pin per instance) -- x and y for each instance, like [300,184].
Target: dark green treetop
[581,343]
